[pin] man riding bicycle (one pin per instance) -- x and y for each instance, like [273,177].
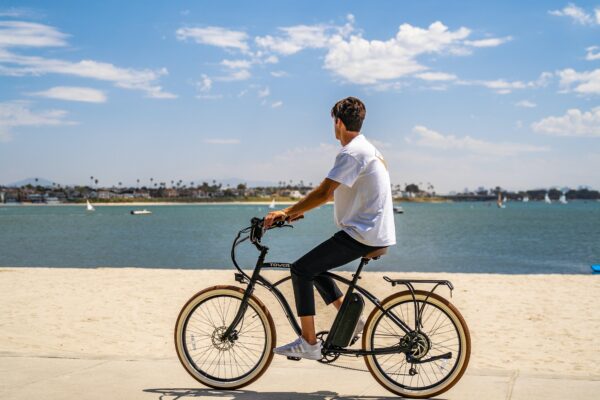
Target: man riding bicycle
[359,184]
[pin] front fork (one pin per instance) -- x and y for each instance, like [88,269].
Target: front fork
[231,332]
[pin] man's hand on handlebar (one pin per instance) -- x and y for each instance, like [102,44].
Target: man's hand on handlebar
[280,215]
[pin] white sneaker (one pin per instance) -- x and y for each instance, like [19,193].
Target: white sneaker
[300,348]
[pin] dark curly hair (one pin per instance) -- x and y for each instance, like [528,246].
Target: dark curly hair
[351,111]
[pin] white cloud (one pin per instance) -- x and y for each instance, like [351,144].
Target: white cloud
[236,75]
[526,104]
[590,55]
[215,36]
[367,62]
[278,74]
[430,138]
[30,34]
[295,39]
[237,64]
[586,82]
[19,113]
[436,76]
[73,93]
[271,60]
[264,92]
[573,123]
[21,34]
[577,14]
[349,55]
[502,86]
[205,84]
[222,141]
[277,104]
[489,42]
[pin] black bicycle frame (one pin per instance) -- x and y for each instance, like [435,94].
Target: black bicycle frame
[257,278]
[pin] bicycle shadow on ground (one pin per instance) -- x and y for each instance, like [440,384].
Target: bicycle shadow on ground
[183,394]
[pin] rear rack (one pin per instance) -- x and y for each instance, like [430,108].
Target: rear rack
[409,283]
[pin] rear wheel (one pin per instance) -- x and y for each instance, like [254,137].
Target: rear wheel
[224,363]
[444,331]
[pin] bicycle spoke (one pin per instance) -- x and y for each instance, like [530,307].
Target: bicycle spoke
[217,358]
[442,337]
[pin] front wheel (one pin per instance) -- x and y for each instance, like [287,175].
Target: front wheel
[444,334]
[224,363]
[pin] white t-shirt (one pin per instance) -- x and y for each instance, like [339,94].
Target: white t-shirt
[363,201]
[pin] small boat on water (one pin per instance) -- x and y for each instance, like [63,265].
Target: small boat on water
[563,199]
[398,210]
[140,212]
[499,202]
[547,199]
[525,199]
[89,206]
[272,205]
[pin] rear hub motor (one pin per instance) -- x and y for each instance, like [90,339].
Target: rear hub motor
[417,343]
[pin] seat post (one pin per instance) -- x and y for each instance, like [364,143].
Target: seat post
[363,261]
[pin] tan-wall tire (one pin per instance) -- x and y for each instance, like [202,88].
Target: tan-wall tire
[256,305]
[454,315]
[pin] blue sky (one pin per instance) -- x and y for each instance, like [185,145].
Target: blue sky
[459,94]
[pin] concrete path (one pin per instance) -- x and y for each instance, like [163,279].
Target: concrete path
[24,377]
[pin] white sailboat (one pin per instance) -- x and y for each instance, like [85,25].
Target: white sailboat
[272,205]
[504,200]
[547,199]
[89,206]
[563,199]
[499,203]
[525,199]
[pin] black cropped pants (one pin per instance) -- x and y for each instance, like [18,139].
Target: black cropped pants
[340,249]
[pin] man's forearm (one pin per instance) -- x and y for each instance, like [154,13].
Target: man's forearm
[314,199]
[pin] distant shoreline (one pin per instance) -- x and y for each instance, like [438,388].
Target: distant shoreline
[209,203]
[156,203]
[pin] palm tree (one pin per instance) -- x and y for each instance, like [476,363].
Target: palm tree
[138,183]
[91,181]
[96,182]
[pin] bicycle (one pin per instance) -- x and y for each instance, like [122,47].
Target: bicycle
[415,343]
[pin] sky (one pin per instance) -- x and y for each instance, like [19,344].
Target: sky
[458,94]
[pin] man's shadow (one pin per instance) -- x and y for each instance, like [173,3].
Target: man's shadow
[182,393]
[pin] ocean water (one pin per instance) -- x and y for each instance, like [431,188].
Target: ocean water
[451,237]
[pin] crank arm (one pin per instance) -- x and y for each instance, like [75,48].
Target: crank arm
[445,356]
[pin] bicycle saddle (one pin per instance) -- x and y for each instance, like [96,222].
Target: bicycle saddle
[375,254]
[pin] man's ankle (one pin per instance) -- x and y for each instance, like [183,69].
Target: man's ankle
[311,341]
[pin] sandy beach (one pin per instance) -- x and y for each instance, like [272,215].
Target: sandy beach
[107,333]
[536,323]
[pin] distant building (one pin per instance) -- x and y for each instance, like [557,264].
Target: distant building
[35,198]
[200,194]
[170,193]
[104,194]
[295,194]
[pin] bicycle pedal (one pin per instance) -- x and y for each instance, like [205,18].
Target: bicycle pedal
[293,358]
